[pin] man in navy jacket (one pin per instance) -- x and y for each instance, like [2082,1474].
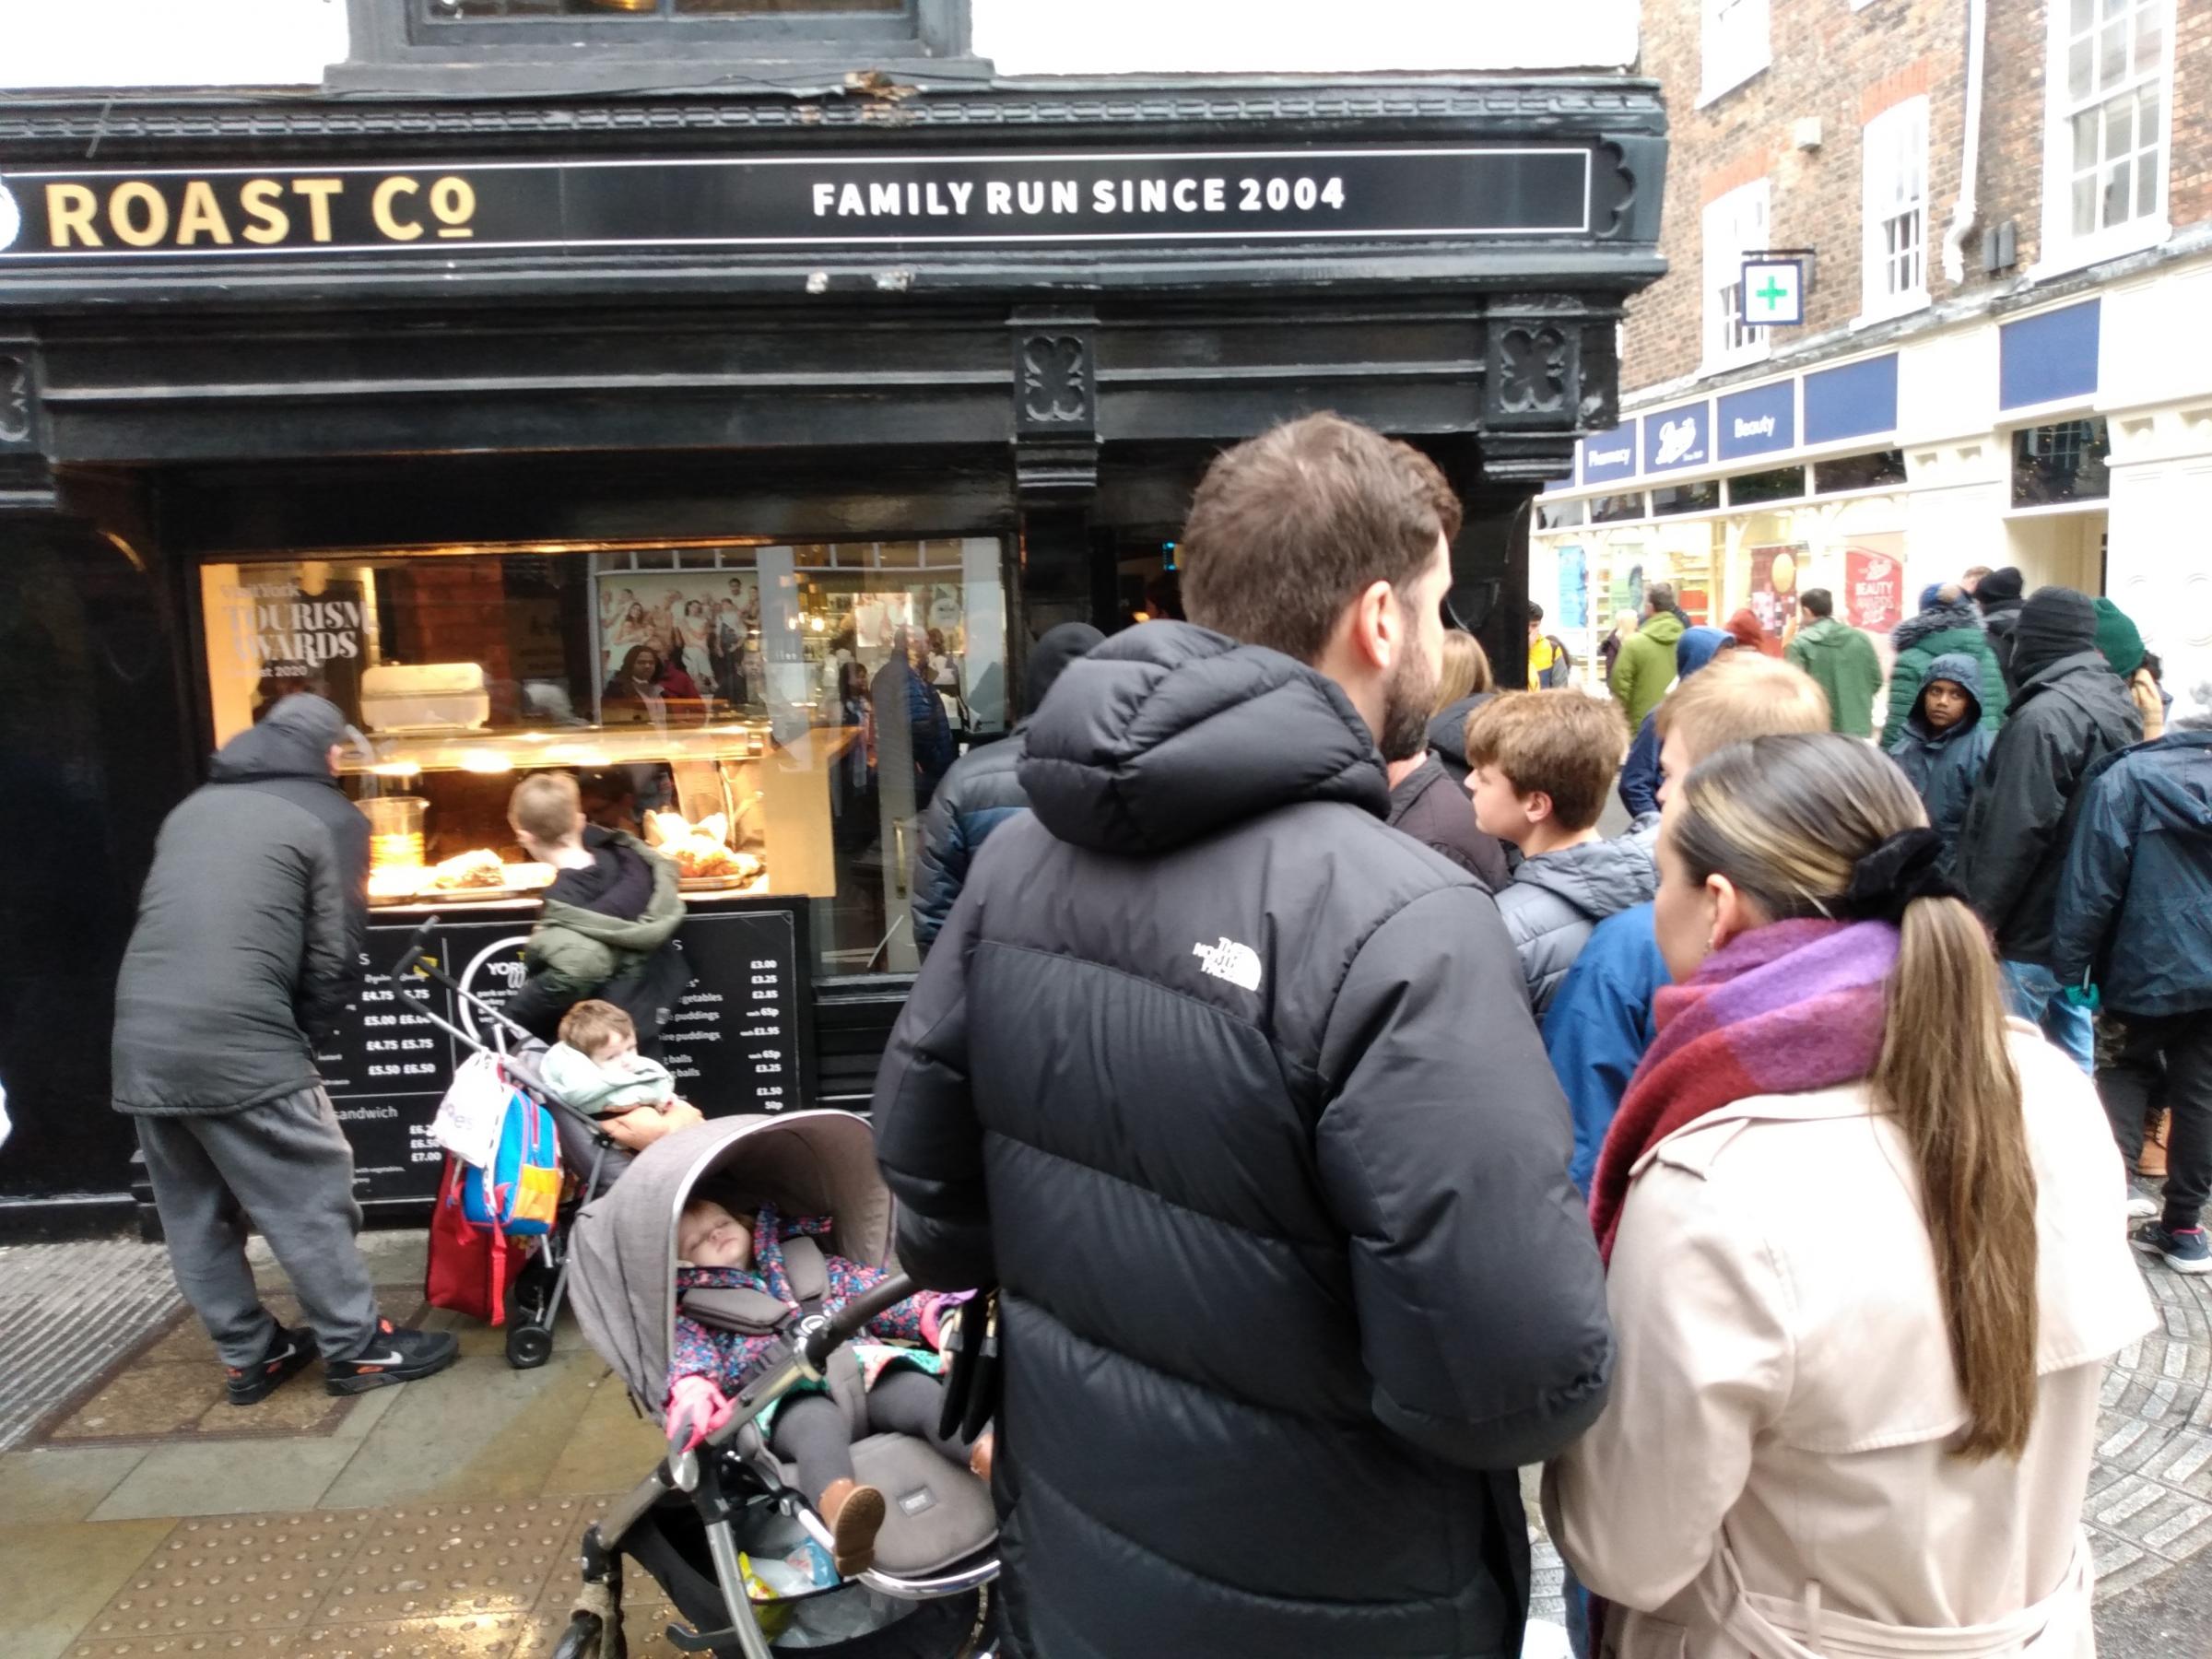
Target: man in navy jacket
[2135,911]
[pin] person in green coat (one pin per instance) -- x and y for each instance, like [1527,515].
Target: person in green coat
[1842,660]
[608,920]
[1646,664]
[1949,622]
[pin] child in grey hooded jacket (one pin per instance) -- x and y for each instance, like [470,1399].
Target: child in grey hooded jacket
[1542,762]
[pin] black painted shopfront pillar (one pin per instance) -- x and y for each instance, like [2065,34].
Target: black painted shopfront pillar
[1055,473]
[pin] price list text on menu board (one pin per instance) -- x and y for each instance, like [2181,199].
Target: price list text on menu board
[739,1040]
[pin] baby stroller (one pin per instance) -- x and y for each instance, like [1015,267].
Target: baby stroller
[536,1299]
[702,1522]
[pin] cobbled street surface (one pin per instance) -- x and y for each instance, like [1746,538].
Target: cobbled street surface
[70,1312]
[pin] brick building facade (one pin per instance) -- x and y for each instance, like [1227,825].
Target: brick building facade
[2000,358]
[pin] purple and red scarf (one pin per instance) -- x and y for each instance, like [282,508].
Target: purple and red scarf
[1784,1010]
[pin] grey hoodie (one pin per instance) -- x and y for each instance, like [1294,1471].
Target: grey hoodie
[1557,899]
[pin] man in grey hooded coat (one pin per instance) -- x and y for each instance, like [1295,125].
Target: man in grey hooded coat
[248,945]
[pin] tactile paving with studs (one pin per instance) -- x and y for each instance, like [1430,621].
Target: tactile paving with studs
[170,1386]
[449,1580]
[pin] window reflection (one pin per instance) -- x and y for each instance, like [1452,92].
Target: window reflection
[775,717]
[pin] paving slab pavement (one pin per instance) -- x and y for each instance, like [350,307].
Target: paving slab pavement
[141,1519]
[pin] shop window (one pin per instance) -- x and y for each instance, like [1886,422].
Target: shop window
[1733,45]
[814,11]
[1703,496]
[2068,461]
[1876,470]
[1895,162]
[1612,509]
[1562,515]
[2110,66]
[1778,484]
[749,709]
[578,32]
[1734,225]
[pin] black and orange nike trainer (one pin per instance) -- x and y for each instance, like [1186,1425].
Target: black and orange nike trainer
[391,1356]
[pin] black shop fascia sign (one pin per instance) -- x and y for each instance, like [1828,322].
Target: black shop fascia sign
[452,210]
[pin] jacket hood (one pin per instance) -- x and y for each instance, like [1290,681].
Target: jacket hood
[1599,878]
[2179,797]
[1699,646]
[1049,659]
[293,740]
[1169,732]
[1448,731]
[1665,628]
[1936,620]
[2089,674]
[1961,669]
[1825,633]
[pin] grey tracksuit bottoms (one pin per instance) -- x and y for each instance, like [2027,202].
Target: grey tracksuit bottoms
[286,1167]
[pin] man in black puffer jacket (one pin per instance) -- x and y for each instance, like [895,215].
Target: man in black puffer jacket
[2070,711]
[248,946]
[981,791]
[1234,1094]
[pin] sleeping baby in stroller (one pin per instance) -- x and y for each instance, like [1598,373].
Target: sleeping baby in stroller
[717,1249]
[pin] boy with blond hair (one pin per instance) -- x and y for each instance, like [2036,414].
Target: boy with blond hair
[609,917]
[1599,1022]
[1540,764]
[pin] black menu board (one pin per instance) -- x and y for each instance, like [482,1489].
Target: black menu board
[739,1040]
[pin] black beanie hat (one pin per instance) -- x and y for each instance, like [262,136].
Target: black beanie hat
[1998,586]
[2055,622]
[1050,656]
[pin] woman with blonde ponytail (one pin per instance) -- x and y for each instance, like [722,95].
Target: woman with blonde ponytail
[1866,1246]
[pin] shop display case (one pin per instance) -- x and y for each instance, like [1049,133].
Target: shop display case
[435,840]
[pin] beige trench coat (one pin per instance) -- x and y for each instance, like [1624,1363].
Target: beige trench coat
[1769,1477]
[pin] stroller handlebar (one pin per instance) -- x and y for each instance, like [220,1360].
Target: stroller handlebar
[418,944]
[817,1345]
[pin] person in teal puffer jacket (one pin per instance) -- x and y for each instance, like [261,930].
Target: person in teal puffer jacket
[1945,742]
[1948,622]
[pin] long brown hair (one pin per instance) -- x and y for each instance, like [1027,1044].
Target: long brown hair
[1785,819]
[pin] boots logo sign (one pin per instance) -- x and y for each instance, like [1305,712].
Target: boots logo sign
[11,218]
[1239,964]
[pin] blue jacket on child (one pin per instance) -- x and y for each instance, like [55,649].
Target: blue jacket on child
[1639,773]
[1599,1025]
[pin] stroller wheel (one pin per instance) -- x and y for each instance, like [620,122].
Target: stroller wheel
[529,1346]
[581,1640]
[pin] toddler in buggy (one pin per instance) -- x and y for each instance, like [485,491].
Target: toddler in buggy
[720,1520]
[722,1342]
[596,1069]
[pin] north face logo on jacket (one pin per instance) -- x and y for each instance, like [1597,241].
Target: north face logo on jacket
[1239,964]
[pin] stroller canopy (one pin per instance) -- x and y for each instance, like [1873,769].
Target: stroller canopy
[623,1269]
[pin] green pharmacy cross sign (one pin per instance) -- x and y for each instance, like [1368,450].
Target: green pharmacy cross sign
[1773,292]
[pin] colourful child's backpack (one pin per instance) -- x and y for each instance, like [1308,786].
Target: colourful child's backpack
[519,1191]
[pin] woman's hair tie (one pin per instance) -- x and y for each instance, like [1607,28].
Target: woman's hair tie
[1906,867]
